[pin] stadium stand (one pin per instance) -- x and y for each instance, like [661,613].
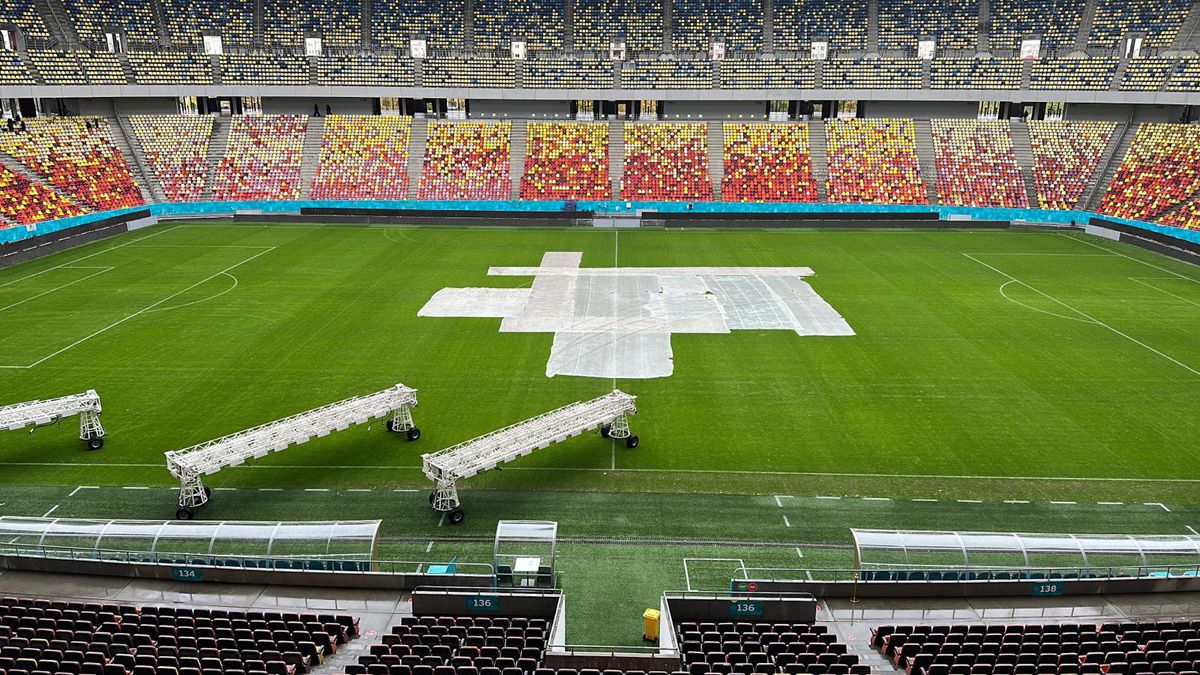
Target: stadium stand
[976,165]
[1159,20]
[745,647]
[566,161]
[78,157]
[639,22]
[176,148]
[666,162]
[363,157]
[134,17]
[365,69]
[1186,216]
[874,161]
[1086,648]
[1146,74]
[766,162]
[1186,76]
[394,22]
[842,22]
[667,74]
[188,21]
[25,202]
[78,67]
[170,68]
[562,73]
[738,23]
[861,73]
[471,71]
[953,23]
[979,73]
[766,73]
[462,645]
[1056,21]
[337,22]
[13,70]
[1093,74]
[262,158]
[466,160]
[264,68]
[24,15]
[538,22]
[1065,156]
[116,638]
[1160,171]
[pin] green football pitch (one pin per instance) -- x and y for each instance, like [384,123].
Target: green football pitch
[998,380]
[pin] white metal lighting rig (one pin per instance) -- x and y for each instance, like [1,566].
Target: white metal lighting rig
[190,464]
[445,467]
[51,411]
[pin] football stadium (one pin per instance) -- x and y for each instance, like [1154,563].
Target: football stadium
[599,337]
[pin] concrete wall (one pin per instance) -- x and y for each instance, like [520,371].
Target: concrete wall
[1111,111]
[921,109]
[751,109]
[486,109]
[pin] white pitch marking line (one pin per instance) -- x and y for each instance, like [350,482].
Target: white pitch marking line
[270,490]
[786,522]
[780,497]
[429,547]
[59,288]
[90,255]
[1177,297]
[1158,504]
[1091,318]
[970,501]
[1062,503]
[224,489]
[52,510]
[134,487]
[358,490]
[316,489]
[150,307]
[442,520]
[1112,252]
[83,487]
[827,497]
[877,499]
[799,553]
[923,499]
[1016,501]
[1190,529]
[1111,503]
[404,490]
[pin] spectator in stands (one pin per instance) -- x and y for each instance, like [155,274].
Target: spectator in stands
[316,110]
[328,110]
[12,125]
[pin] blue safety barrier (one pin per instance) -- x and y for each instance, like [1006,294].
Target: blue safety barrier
[294,207]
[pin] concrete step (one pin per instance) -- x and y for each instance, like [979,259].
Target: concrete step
[616,156]
[1023,150]
[216,150]
[926,157]
[312,154]
[818,149]
[716,156]
[516,165]
[1110,161]
[127,143]
[416,154]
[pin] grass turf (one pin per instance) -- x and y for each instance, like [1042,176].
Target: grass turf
[988,365]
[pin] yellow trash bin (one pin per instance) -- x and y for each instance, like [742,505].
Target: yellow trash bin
[650,619]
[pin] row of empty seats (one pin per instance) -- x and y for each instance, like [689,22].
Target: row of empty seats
[1066,155]
[767,163]
[1160,170]
[176,148]
[666,162]
[93,638]
[1158,647]
[363,157]
[976,165]
[566,161]
[77,156]
[262,159]
[428,645]
[466,160]
[24,202]
[743,648]
[874,161]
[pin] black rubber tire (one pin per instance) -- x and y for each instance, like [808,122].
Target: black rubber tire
[183,513]
[631,441]
[95,443]
[413,434]
[605,431]
[432,495]
[207,492]
[456,516]
[391,425]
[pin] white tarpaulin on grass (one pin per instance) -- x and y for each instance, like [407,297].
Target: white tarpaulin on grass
[616,322]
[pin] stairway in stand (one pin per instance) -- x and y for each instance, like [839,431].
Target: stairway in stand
[416,153]
[925,157]
[1023,149]
[716,157]
[516,164]
[312,155]
[216,150]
